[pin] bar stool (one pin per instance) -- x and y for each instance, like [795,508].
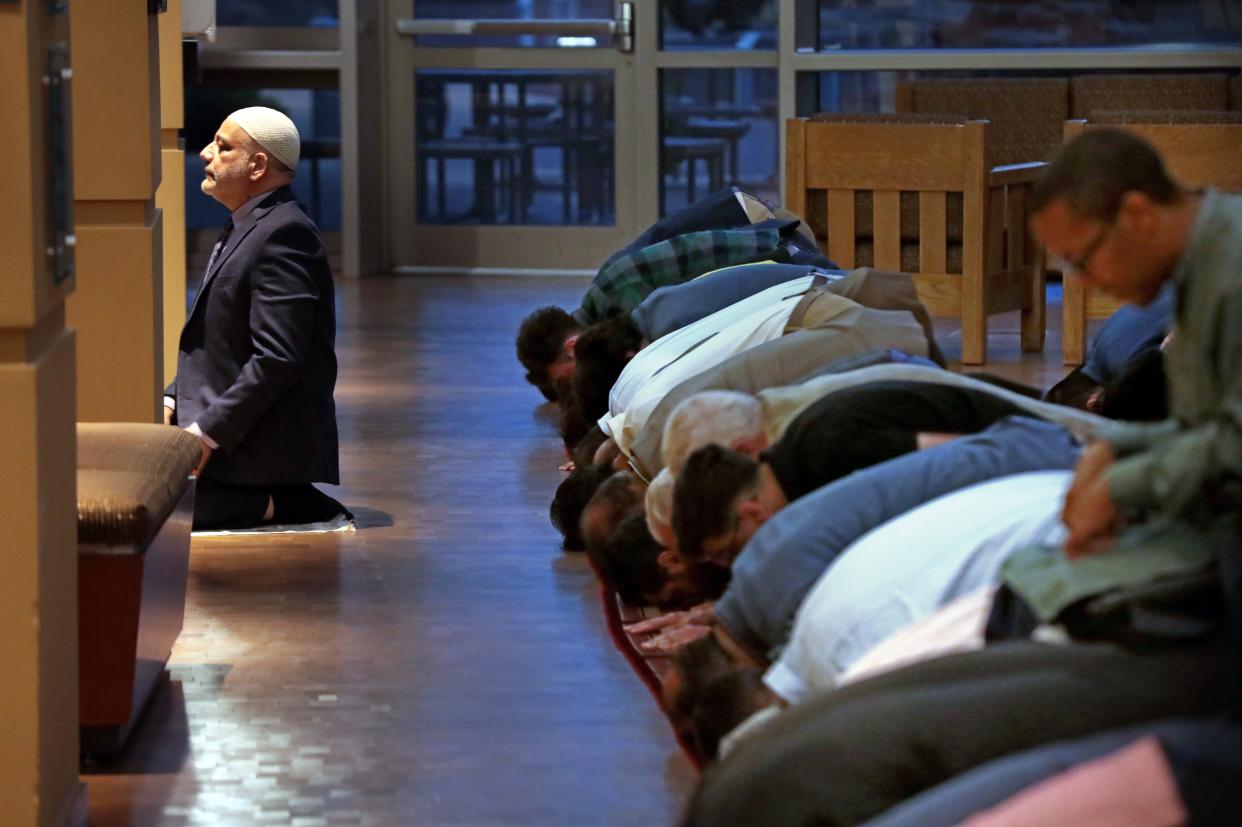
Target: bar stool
[497,172]
[711,151]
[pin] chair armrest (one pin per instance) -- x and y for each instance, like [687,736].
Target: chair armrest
[1011,174]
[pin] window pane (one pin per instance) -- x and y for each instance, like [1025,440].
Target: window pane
[1009,24]
[317,114]
[277,12]
[688,25]
[530,146]
[511,10]
[719,128]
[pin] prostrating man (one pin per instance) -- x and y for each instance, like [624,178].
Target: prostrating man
[749,423]
[727,228]
[622,383]
[896,574]
[778,551]
[547,339]
[256,365]
[843,432]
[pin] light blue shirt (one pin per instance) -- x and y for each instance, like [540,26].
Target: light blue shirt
[787,555]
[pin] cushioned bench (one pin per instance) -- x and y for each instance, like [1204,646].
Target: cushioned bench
[135,508]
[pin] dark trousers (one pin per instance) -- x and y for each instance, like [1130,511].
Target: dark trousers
[851,754]
[222,505]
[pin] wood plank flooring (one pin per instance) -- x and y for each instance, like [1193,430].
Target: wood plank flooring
[445,665]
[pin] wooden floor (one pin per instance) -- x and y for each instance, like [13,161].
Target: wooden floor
[446,664]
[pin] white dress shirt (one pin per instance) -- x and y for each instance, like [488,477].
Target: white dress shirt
[671,359]
[909,567]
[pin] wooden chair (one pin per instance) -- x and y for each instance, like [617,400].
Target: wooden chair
[915,193]
[1091,95]
[1025,115]
[1199,149]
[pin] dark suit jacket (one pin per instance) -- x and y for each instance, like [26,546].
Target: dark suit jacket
[257,366]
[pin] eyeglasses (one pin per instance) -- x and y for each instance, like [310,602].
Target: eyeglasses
[1079,265]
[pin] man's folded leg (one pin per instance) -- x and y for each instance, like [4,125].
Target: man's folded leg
[225,506]
[222,505]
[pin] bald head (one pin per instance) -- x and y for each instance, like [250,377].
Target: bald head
[618,498]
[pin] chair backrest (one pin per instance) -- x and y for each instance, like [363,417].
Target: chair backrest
[832,158]
[1025,114]
[1235,92]
[1196,153]
[1090,94]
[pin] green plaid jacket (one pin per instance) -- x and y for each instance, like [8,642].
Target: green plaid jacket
[621,285]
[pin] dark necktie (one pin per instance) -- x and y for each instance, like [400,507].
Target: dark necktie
[220,242]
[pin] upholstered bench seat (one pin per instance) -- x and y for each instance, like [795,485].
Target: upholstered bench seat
[135,507]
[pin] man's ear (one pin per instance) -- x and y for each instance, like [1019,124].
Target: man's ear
[568,344]
[754,510]
[1140,209]
[670,562]
[259,164]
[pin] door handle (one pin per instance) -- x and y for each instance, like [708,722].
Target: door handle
[621,28]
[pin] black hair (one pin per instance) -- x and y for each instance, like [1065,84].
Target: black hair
[703,496]
[600,354]
[1095,170]
[628,562]
[723,704]
[540,341]
[574,425]
[572,495]
[1074,390]
[715,694]
[584,449]
[1140,392]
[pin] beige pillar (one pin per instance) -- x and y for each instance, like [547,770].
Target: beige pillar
[118,306]
[38,594]
[170,197]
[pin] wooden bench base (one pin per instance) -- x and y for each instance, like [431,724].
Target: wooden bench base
[130,612]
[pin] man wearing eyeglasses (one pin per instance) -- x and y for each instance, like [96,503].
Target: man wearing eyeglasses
[1107,208]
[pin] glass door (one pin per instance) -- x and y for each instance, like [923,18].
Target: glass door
[503,145]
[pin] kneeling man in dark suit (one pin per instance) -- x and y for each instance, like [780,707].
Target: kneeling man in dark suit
[257,366]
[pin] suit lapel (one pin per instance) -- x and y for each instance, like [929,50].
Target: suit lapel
[238,237]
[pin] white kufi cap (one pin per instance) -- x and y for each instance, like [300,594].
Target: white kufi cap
[273,131]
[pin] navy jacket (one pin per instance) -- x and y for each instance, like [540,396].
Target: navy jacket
[257,366]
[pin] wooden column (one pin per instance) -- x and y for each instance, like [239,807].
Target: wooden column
[38,593]
[170,197]
[118,305]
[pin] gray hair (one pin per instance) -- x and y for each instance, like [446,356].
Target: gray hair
[660,502]
[709,418]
